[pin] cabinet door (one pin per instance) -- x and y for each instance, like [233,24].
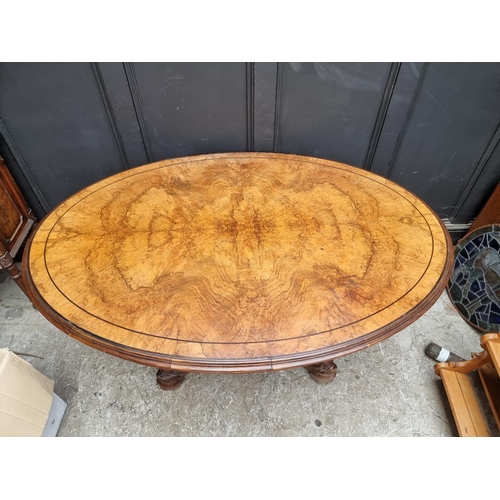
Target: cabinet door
[16,217]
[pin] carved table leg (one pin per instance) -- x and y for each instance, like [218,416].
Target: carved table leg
[322,373]
[169,380]
[7,263]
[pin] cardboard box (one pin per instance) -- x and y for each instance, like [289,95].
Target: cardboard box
[26,399]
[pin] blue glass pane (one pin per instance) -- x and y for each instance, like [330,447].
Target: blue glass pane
[475,286]
[494,318]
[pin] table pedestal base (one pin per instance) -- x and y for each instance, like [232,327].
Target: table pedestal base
[169,380]
[322,373]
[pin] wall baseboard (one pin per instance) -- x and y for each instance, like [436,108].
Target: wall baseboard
[457,231]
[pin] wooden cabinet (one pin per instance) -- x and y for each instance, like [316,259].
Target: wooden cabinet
[490,213]
[16,220]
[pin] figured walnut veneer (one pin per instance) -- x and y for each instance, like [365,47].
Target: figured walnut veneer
[237,262]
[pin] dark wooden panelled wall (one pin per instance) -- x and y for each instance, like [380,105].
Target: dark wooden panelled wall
[432,127]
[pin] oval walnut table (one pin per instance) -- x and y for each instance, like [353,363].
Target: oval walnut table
[237,262]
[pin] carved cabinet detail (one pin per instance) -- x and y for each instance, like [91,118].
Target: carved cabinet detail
[16,220]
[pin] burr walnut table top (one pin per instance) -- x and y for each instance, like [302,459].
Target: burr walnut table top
[237,262]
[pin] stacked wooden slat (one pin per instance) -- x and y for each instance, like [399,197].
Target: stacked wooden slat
[461,395]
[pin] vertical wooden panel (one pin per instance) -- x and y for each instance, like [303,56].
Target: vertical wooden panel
[479,189]
[250,101]
[191,108]
[21,173]
[401,104]
[385,102]
[453,118]
[329,110]
[432,127]
[278,109]
[264,105]
[57,117]
[117,89]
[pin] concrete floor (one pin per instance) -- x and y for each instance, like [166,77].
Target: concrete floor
[389,389]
